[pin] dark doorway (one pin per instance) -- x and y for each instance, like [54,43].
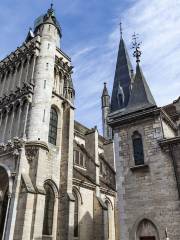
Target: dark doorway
[147,238]
[3,213]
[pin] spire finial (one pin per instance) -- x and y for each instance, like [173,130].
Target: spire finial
[136,45]
[121,29]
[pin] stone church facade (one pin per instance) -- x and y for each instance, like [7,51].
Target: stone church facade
[57,177]
[147,154]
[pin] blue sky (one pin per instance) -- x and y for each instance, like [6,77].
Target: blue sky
[91,38]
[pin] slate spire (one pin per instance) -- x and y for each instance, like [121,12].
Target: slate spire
[123,78]
[141,96]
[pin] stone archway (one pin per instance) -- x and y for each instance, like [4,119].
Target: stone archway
[4,190]
[147,231]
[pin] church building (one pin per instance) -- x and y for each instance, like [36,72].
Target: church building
[147,153]
[57,177]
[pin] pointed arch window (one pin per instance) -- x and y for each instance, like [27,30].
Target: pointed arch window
[53,126]
[138,148]
[4,191]
[107,218]
[48,210]
[76,215]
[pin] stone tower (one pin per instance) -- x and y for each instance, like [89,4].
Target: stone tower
[37,131]
[147,163]
[50,33]
[57,177]
[105,105]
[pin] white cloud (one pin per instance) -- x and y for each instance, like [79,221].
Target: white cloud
[158,23]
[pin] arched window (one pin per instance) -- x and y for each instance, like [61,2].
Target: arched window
[147,231]
[107,218]
[138,148]
[48,210]
[76,216]
[53,126]
[4,189]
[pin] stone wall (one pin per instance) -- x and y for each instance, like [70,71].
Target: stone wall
[149,191]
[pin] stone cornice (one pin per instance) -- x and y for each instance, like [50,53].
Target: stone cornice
[170,141]
[116,120]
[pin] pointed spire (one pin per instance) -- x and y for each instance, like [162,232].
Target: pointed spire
[105,90]
[141,96]
[122,80]
[105,98]
[30,35]
[121,30]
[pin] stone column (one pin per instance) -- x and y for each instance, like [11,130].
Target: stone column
[20,75]
[1,114]
[25,120]
[10,81]
[13,88]
[65,222]
[6,218]
[19,120]
[4,81]
[33,68]
[5,125]
[27,69]
[12,121]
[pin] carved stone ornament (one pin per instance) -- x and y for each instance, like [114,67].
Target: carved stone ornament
[31,153]
[11,146]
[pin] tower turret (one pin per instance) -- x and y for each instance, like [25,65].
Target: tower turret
[105,105]
[50,32]
[49,18]
[123,79]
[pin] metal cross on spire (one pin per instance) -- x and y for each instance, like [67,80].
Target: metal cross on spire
[136,46]
[121,29]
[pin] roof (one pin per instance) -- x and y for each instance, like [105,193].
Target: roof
[105,91]
[171,110]
[83,130]
[122,79]
[141,96]
[49,17]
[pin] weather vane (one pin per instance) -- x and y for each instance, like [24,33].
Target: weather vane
[121,29]
[136,46]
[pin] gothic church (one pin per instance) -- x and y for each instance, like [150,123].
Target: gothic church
[57,177]
[61,180]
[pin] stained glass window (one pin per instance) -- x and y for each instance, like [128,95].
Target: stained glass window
[53,126]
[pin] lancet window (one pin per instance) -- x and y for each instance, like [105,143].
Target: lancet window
[76,216]
[138,148]
[53,126]
[48,210]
